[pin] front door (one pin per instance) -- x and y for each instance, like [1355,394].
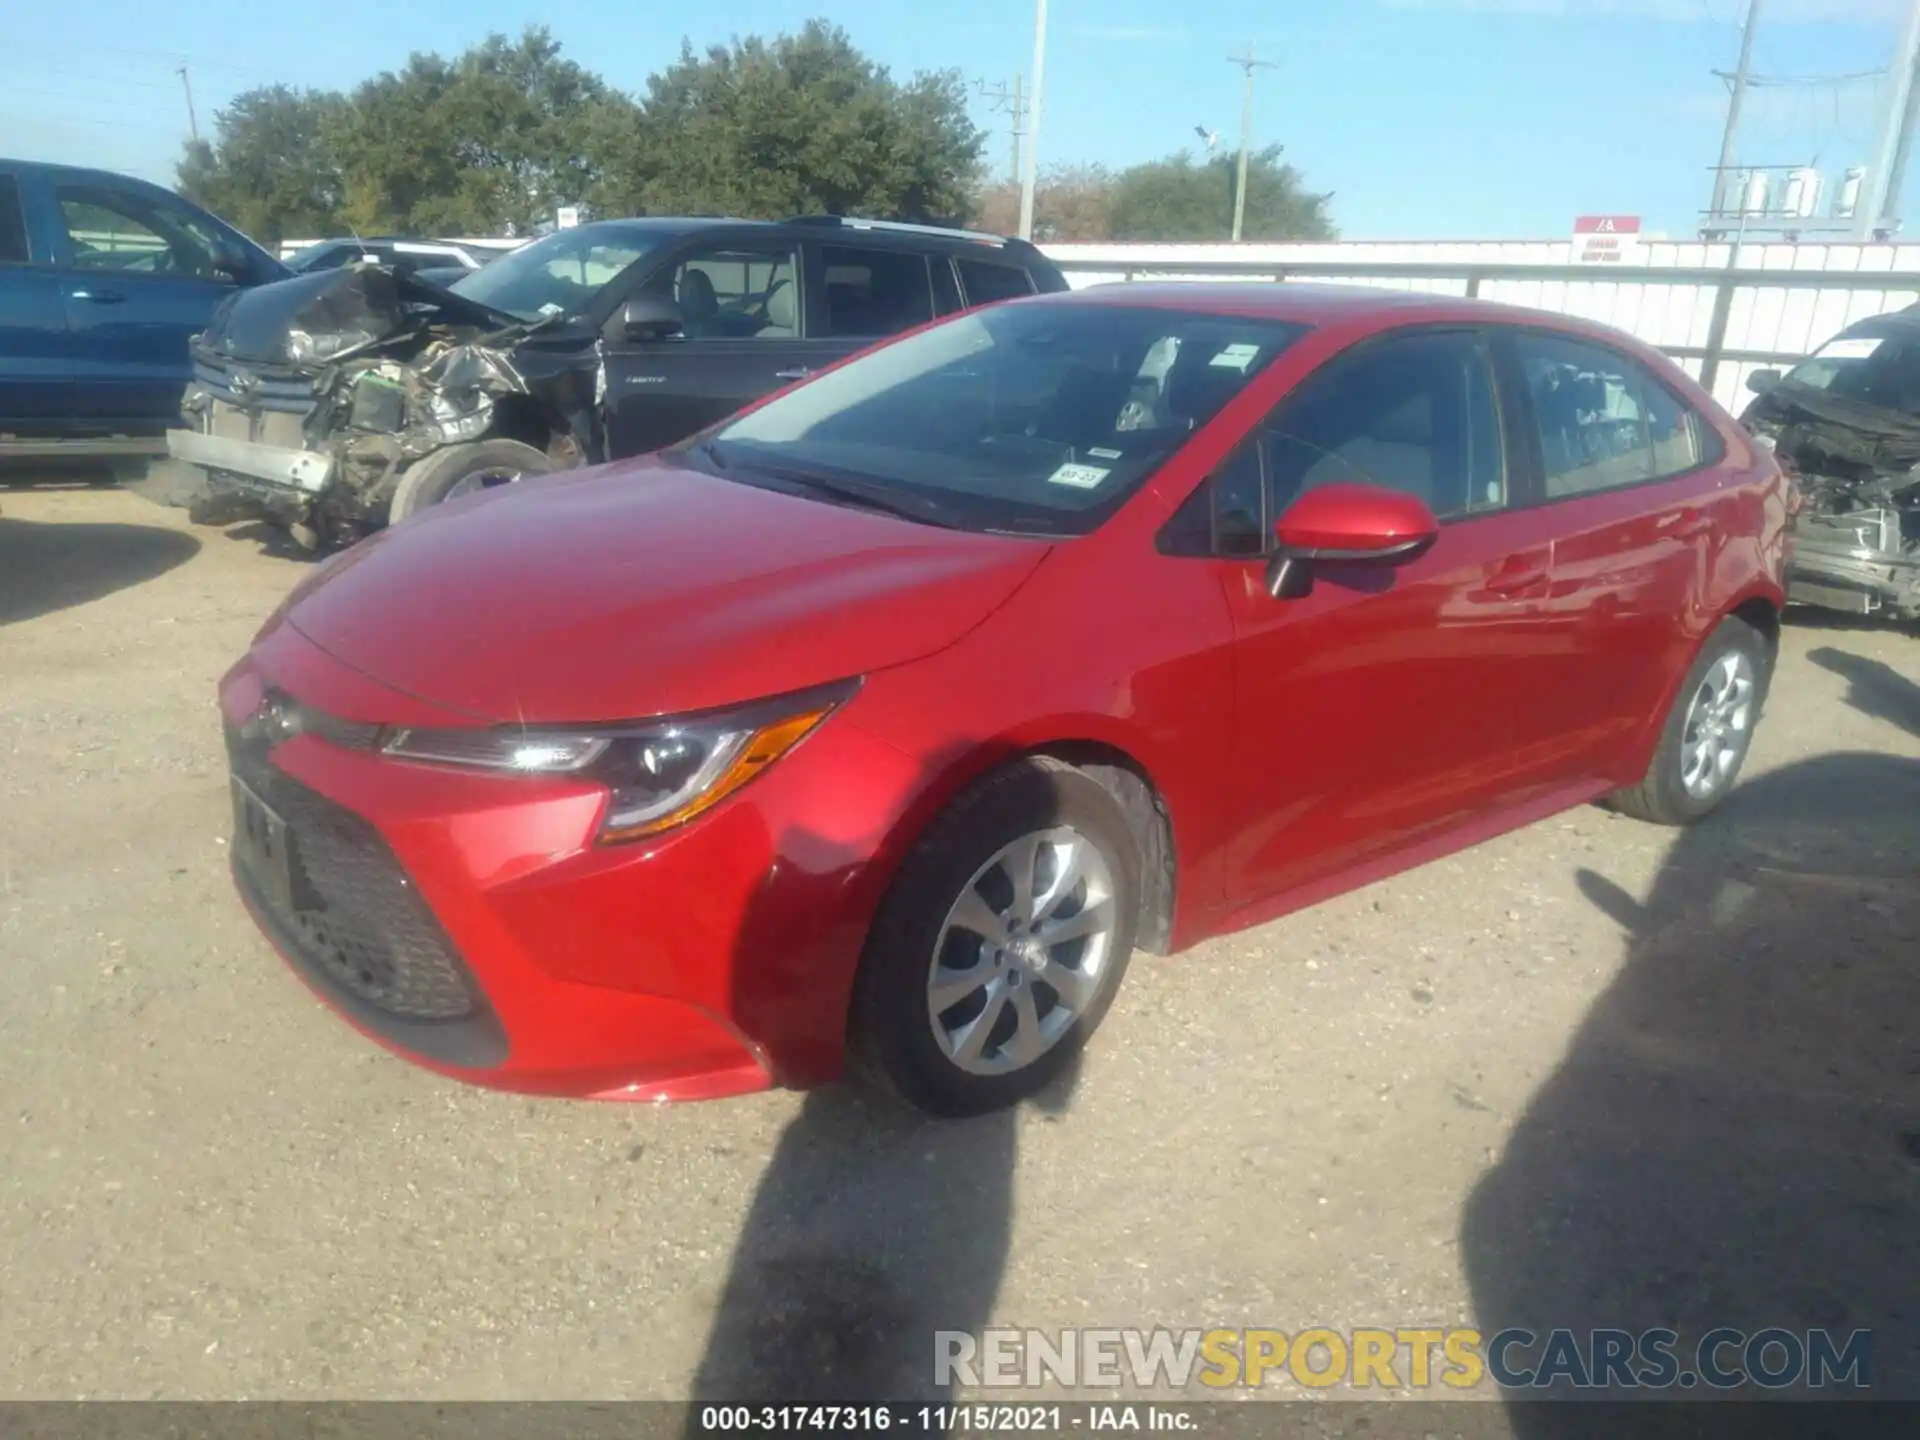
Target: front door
[36,383]
[139,278]
[741,339]
[1384,707]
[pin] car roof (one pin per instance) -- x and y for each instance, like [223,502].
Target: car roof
[1363,306]
[878,233]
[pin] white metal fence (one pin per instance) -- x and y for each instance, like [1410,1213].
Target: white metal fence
[1722,311]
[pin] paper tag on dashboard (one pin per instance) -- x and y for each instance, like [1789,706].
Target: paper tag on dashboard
[1235,357]
[1080,477]
[1859,347]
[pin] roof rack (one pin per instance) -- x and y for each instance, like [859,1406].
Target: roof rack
[855,222]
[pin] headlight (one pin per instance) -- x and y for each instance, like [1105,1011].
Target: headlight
[657,775]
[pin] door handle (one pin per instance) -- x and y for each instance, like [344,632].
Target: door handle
[99,297]
[798,372]
[1517,577]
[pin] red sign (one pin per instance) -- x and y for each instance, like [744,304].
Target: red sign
[1603,238]
[1607,225]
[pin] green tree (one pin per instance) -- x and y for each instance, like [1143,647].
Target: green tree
[1177,199]
[269,168]
[801,124]
[489,141]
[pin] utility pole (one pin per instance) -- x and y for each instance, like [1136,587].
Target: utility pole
[1030,175]
[1248,64]
[1896,177]
[193,123]
[1742,74]
[1883,185]
[1009,99]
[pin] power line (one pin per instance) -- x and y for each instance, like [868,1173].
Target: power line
[1248,63]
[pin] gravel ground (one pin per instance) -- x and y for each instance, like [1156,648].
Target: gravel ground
[1589,1073]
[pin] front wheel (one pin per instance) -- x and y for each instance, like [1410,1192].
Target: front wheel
[1708,731]
[462,470]
[1001,943]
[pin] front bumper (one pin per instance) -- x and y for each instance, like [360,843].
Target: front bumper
[714,960]
[1853,563]
[295,472]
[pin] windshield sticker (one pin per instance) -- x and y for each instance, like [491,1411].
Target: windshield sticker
[1080,477]
[1099,454]
[1235,357]
[1858,348]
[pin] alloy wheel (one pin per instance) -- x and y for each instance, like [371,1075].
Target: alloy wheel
[1719,726]
[1024,951]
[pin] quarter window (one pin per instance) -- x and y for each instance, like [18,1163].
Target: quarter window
[987,282]
[1414,413]
[1604,420]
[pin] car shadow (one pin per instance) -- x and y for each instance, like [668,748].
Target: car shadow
[44,568]
[871,1229]
[1874,687]
[1733,1138]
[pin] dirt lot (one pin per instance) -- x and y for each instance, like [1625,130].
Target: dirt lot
[1589,1074]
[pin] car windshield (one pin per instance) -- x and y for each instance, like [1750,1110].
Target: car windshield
[1881,370]
[557,275]
[1039,416]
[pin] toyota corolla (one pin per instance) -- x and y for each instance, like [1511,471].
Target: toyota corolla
[880,724]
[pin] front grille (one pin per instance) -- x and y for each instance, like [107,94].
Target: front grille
[253,387]
[355,921]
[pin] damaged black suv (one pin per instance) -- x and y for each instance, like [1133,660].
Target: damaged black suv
[1845,422]
[338,402]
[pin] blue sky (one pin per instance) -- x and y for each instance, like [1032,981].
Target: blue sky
[1461,119]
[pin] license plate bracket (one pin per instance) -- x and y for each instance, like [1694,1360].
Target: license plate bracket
[262,846]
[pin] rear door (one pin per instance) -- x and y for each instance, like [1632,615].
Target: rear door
[1628,493]
[1382,709]
[139,277]
[36,379]
[743,302]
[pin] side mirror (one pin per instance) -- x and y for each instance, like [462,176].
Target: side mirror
[1761,381]
[1345,525]
[650,317]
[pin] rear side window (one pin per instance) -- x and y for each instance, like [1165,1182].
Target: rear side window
[1604,421]
[875,292]
[13,224]
[987,281]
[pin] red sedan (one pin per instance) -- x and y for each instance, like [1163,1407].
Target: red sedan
[887,719]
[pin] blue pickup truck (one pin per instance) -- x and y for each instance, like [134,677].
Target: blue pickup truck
[103,279]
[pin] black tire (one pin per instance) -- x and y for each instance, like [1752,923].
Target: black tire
[893,1044]
[440,475]
[1663,797]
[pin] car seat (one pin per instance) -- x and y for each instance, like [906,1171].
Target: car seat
[699,304]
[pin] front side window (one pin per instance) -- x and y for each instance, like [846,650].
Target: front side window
[733,293]
[1030,417]
[1603,420]
[136,234]
[1414,413]
[871,293]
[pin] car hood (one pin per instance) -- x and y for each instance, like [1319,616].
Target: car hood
[338,312]
[644,590]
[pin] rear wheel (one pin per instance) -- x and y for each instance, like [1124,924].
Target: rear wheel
[463,470]
[1708,731]
[1002,942]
